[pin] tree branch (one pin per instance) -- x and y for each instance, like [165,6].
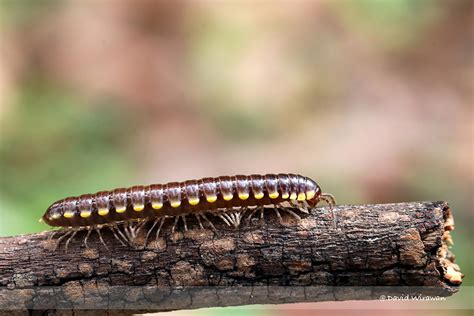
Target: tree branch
[373,250]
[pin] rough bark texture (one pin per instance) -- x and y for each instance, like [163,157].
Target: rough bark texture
[373,250]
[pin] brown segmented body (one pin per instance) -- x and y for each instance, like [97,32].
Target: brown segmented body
[207,195]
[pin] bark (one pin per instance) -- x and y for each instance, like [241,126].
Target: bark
[369,251]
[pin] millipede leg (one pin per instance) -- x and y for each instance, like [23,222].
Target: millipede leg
[228,216]
[232,218]
[89,230]
[224,219]
[122,234]
[198,217]
[277,206]
[151,229]
[293,214]
[130,232]
[300,206]
[69,240]
[132,229]
[251,215]
[126,231]
[334,219]
[184,221]
[142,224]
[304,207]
[159,227]
[51,236]
[176,219]
[58,241]
[255,210]
[112,228]
[237,217]
[261,212]
[210,223]
[135,230]
[278,215]
[100,238]
[153,226]
[329,199]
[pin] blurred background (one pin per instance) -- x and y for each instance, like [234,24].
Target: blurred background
[373,99]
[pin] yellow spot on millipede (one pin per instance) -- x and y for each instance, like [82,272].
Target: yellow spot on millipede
[285,195]
[120,209]
[293,196]
[103,211]
[85,214]
[175,204]
[301,196]
[243,196]
[228,197]
[138,208]
[55,216]
[68,214]
[259,195]
[211,198]
[193,201]
[274,195]
[157,206]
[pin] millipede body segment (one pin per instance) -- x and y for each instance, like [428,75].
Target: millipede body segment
[181,198]
[227,197]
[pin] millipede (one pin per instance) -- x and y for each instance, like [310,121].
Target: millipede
[125,211]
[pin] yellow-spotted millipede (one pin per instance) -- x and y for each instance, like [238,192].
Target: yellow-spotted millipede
[127,210]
